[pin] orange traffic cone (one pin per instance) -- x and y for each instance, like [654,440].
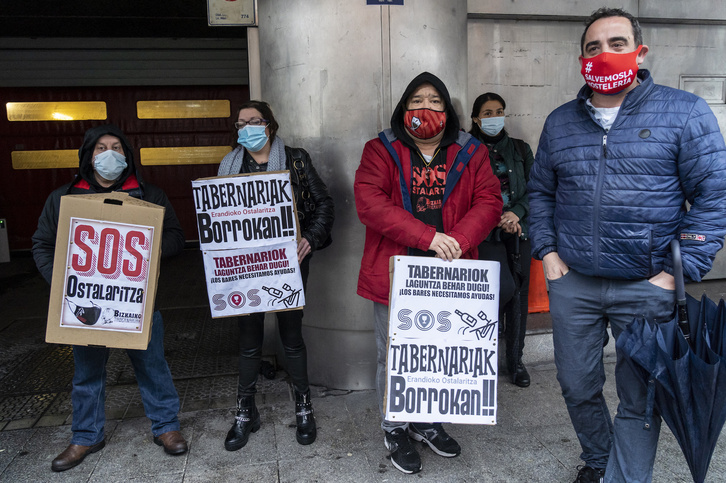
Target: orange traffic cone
[539,301]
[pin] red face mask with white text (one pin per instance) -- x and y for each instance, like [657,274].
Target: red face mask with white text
[424,123]
[610,73]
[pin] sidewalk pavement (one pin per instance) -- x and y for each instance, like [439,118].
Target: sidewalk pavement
[533,439]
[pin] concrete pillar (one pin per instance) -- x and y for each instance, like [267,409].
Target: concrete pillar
[332,71]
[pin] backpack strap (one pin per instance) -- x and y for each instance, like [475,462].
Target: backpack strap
[405,194]
[462,159]
[470,145]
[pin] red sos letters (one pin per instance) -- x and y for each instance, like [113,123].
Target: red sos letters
[109,252]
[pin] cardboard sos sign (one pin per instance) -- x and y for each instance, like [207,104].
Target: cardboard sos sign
[105,271]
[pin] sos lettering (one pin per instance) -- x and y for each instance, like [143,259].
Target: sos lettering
[109,252]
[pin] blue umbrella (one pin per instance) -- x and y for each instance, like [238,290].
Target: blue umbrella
[684,364]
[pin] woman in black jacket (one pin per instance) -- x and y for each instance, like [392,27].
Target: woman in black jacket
[257,149]
[511,160]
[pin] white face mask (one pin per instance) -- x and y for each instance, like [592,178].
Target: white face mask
[109,164]
[491,126]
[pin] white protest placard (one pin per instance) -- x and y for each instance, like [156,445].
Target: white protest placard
[258,279]
[248,235]
[244,211]
[106,275]
[441,364]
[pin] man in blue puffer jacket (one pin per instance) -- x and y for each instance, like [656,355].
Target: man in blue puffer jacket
[608,191]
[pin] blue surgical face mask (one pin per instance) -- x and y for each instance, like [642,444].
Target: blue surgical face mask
[491,126]
[109,164]
[252,138]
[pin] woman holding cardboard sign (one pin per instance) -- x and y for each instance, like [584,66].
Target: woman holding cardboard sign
[258,148]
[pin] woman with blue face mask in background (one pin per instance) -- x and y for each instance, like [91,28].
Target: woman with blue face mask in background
[511,160]
[258,148]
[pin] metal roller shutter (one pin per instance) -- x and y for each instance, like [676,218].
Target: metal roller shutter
[56,62]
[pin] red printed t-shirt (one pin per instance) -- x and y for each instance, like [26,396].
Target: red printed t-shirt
[428,181]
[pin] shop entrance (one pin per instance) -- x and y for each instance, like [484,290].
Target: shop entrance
[179,133]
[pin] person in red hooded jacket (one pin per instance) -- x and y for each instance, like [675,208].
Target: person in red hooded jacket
[423,188]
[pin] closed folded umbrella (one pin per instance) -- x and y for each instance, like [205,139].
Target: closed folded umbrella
[514,326]
[684,364]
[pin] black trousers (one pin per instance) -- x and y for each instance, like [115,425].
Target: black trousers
[515,321]
[251,337]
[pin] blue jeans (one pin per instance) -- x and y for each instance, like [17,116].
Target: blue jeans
[158,394]
[581,307]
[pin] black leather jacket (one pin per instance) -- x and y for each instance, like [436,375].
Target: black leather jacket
[315,208]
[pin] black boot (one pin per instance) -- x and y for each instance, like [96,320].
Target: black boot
[520,376]
[247,421]
[306,431]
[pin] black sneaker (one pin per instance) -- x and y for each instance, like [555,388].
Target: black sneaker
[438,440]
[588,474]
[403,455]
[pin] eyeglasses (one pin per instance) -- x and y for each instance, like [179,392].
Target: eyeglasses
[255,121]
